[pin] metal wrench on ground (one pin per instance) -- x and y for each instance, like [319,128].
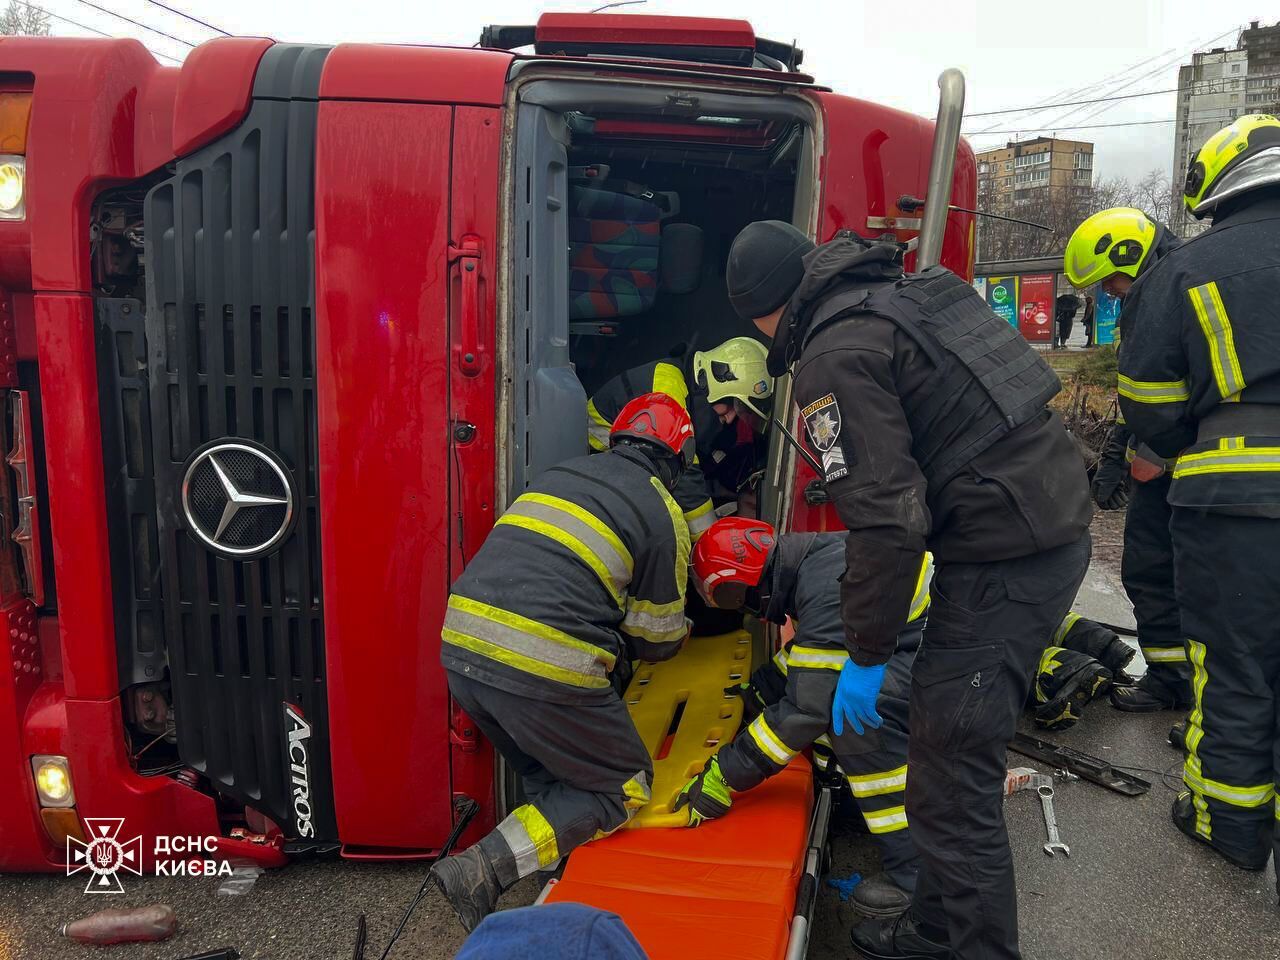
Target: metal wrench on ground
[1051,822]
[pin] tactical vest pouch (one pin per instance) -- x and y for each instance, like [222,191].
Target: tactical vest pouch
[991,381]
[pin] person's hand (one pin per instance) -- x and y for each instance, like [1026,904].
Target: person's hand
[706,795]
[855,699]
[1113,497]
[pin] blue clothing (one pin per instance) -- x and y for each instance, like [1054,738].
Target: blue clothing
[553,931]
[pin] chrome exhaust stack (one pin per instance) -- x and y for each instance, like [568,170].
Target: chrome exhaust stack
[946,140]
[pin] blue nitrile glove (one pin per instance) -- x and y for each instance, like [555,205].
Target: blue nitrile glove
[856,693]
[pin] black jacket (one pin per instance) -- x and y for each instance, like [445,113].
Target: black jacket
[859,375]
[1200,361]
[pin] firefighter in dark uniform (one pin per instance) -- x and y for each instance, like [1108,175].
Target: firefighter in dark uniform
[1116,247]
[583,573]
[740,565]
[1200,383]
[716,386]
[929,415]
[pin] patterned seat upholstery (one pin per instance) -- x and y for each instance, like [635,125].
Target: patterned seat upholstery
[613,254]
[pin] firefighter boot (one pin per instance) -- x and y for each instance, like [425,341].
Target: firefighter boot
[879,896]
[1066,682]
[1178,736]
[1101,643]
[469,883]
[899,938]
[1153,692]
[1184,818]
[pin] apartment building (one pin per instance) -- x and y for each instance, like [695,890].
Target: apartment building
[1034,173]
[1215,88]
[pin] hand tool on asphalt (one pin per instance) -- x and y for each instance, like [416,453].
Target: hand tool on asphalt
[1051,822]
[1081,764]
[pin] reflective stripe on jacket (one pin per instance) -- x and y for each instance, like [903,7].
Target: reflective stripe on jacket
[587,566]
[1200,335]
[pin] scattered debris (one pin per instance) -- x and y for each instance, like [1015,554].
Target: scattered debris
[141,925]
[844,886]
[243,877]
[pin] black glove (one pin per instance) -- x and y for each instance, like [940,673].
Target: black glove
[707,795]
[1110,488]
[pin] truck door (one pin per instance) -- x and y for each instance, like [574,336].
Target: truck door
[407,157]
[872,156]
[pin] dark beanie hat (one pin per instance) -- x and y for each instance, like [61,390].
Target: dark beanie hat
[765,267]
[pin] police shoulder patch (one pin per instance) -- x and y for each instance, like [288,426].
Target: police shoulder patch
[823,422]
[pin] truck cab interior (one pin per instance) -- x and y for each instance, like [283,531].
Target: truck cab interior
[625,201]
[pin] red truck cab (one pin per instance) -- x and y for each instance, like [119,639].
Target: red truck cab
[282,331]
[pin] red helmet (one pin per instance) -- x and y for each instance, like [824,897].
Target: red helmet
[659,419]
[729,558]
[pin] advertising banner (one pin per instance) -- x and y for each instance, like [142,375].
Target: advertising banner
[1002,297]
[1035,307]
[980,284]
[1106,313]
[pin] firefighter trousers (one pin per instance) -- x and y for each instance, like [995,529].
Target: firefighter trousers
[1146,570]
[1229,586]
[986,630]
[875,766]
[583,767]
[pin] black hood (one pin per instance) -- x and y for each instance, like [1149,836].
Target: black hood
[783,572]
[844,261]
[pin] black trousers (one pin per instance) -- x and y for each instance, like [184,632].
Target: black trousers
[986,629]
[583,767]
[1146,570]
[1229,583]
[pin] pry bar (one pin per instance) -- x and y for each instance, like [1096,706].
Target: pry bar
[1081,764]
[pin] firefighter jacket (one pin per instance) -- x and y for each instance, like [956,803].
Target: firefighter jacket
[800,681]
[669,377]
[1200,362]
[929,415]
[1122,446]
[586,568]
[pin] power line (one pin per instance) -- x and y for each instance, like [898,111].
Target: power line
[184,14]
[1168,55]
[84,26]
[136,23]
[1128,123]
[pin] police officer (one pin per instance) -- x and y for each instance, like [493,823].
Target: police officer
[740,564]
[716,386]
[584,572]
[929,415]
[1116,247]
[1200,382]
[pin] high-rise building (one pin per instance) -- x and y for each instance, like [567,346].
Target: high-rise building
[1034,172]
[1217,87]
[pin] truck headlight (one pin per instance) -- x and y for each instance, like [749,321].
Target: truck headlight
[13,184]
[53,781]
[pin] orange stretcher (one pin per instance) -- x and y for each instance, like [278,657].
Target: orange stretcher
[742,886]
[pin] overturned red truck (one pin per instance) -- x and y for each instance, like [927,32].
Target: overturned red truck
[283,329]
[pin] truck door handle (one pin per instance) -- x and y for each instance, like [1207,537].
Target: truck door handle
[467,256]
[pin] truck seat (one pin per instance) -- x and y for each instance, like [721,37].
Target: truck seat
[613,254]
[729,887]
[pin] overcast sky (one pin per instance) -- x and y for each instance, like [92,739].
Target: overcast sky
[1013,53]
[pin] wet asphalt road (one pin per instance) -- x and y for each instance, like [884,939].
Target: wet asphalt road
[1133,888]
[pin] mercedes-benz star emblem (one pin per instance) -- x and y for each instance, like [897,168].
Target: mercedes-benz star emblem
[237,499]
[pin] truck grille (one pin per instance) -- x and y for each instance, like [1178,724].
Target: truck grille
[229,366]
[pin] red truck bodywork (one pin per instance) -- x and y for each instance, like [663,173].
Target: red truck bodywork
[408,163]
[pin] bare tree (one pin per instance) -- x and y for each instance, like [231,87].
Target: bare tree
[24,20]
[1061,210]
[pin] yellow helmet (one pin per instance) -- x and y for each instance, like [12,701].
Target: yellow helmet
[736,369]
[1224,152]
[1111,241]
